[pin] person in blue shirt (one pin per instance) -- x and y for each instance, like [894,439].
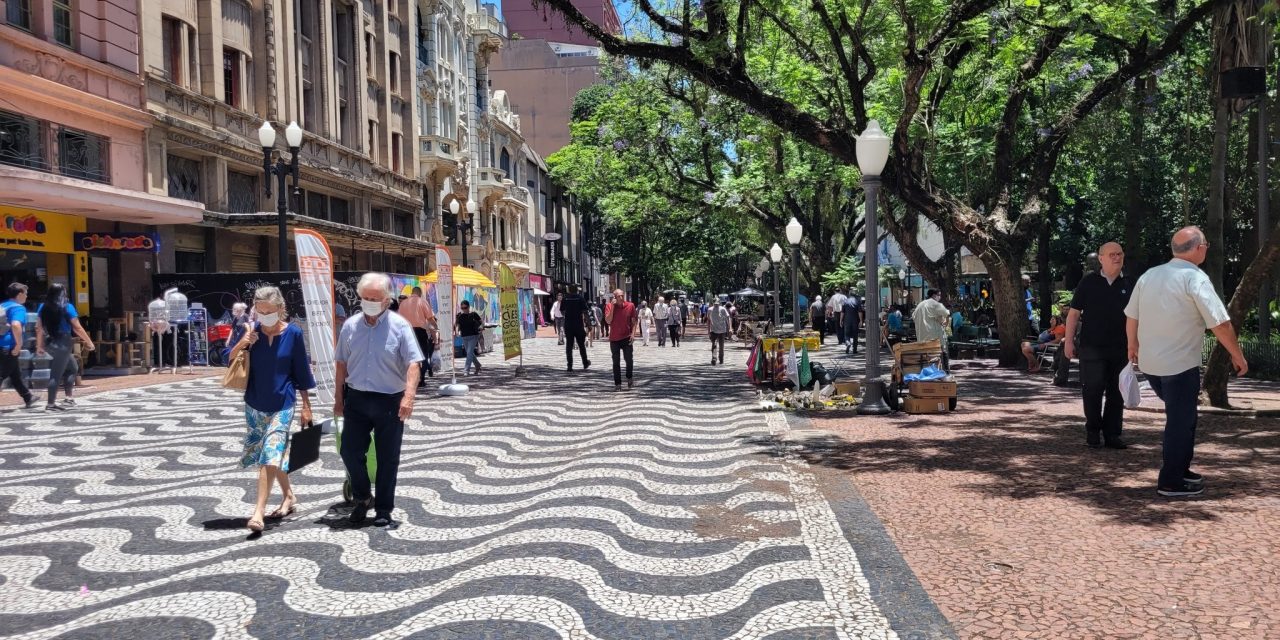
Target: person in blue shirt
[58,324]
[279,370]
[239,319]
[13,317]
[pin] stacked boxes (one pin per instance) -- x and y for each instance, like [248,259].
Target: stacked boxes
[931,396]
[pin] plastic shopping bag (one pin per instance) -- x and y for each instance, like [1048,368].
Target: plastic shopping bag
[1129,389]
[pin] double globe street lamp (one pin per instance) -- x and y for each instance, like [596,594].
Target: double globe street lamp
[267,138]
[873,152]
[775,256]
[463,227]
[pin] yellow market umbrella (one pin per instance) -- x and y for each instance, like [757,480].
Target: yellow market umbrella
[464,277]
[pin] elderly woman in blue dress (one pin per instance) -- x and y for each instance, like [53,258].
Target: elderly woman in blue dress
[279,371]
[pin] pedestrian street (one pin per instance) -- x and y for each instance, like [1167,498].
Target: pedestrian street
[540,505]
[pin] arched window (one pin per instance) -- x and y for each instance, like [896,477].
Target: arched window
[505,163]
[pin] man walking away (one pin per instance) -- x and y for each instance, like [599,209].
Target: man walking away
[818,317]
[377,361]
[557,316]
[1170,308]
[718,327]
[931,318]
[574,309]
[673,325]
[470,327]
[646,321]
[852,316]
[13,315]
[1101,299]
[835,308]
[622,325]
[418,312]
[660,314]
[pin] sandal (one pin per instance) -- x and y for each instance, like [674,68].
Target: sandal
[256,526]
[283,511]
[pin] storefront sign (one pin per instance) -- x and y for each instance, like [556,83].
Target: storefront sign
[36,230]
[110,242]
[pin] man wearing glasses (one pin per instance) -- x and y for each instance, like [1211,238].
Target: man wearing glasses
[1168,312]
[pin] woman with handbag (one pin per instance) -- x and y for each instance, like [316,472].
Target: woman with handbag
[57,324]
[277,370]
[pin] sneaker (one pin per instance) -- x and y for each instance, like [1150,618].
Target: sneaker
[1186,489]
[68,402]
[31,403]
[382,520]
[1192,477]
[54,407]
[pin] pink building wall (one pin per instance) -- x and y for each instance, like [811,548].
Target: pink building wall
[542,23]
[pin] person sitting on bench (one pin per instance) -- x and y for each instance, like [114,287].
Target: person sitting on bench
[1049,338]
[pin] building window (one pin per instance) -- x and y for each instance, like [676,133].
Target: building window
[242,192]
[373,141]
[339,210]
[316,205]
[184,178]
[172,36]
[83,155]
[377,220]
[62,31]
[188,262]
[231,77]
[505,162]
[393,73]
[343,38]
[396,142]
[22,141]
[403,225]
[18,13]
[368,55]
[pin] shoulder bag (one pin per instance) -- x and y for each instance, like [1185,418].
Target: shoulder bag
[237,375]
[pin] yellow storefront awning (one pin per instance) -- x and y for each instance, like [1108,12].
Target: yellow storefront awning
[465,277]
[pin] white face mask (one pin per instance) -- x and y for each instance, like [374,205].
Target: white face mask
[371,308]
[269,319]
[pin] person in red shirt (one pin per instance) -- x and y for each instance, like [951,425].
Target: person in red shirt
[621,317]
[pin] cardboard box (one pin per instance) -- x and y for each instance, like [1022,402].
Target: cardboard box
[932,388]
[850,388]
[912,404]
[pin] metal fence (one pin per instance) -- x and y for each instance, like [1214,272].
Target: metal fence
[1263,357]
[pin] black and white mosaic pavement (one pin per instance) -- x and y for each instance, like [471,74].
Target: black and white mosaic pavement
[539,506]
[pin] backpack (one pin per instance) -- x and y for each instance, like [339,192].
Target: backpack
[4,311]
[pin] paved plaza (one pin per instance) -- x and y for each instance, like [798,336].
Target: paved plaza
[542,505]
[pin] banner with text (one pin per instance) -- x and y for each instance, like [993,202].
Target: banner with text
[510,303]
[315,275]
[444,296]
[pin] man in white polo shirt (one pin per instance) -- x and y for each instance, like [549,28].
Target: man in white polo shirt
[1170,308]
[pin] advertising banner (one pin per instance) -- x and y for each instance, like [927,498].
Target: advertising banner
[528,309]
[510,303]
[315,276]
[444,296]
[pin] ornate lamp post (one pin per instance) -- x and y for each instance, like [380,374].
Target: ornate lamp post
[775,256]
[463,227]
[873,153]
[795,233]
[267,138]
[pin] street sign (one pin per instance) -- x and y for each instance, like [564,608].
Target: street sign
[551,236]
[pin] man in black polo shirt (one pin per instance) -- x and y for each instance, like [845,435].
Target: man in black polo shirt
[574,310]
[1099,300]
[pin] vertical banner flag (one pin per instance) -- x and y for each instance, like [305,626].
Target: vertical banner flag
[315,274]
[510,304]
[444,298]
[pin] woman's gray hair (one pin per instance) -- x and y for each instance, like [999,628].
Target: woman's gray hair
[375,279]
[270,295]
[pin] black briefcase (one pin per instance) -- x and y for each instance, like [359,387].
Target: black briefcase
[304,446]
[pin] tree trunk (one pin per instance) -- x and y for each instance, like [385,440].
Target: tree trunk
[1216,261]
[1046,274]
[1218,369]
[1011,308]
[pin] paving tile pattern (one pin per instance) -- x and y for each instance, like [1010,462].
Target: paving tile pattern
[542,505]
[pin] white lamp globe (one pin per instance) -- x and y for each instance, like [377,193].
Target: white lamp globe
[293,135]
[453,207]
[471,206]
[902,274]
[794,231]
[872,149]
[775,253]
[267,135]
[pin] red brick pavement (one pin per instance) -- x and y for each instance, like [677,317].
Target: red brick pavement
[1019,531]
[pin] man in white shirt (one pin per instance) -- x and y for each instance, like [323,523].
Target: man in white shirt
[661,312]
[557,316]
[1168,312]
[835,309]
[931,318]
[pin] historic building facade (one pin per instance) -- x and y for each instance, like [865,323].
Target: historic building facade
[215,69]
[72,132]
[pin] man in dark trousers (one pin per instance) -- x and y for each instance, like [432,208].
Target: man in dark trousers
[13,315]
[574,310]
[622,325]
[851,315]
[1099,303]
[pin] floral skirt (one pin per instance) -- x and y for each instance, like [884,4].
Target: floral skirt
[267,438]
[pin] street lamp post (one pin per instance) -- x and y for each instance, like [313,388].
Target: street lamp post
[775,256]
[873,153]
[795,233]
[463,227]
[267,138]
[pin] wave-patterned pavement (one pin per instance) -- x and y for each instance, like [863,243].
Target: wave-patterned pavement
[542,505]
